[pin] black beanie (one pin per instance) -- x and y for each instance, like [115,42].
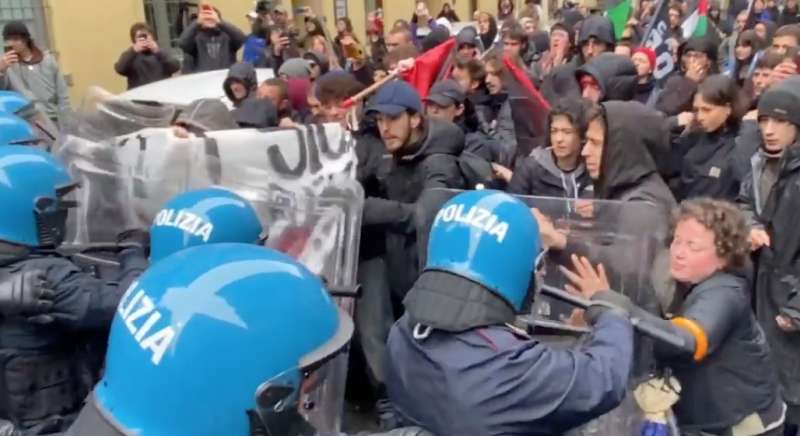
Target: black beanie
[780,104]
[16,28]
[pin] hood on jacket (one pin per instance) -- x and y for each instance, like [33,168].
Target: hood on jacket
[244,73]
[206,115]
[487,40]
[441,137]
[616,75]
[598,26]
[467,35]
[257,113]
[635,138]
[322,61]
[545,158]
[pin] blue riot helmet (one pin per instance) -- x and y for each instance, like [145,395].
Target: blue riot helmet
[203,216]
[16,131]
[219,339]
[13,102]
[490,238]
[32,190]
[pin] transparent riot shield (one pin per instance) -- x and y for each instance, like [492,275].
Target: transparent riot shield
[628,238]
[301,182]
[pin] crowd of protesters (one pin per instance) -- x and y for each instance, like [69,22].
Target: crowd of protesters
[722,125]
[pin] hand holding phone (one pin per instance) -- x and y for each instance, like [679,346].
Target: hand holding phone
[9,58]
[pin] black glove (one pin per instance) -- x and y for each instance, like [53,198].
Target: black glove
[27,293]
[608,300]
[134,237]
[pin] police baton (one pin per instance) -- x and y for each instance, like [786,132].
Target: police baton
[644,322]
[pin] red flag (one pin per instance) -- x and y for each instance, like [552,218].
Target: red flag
[427,67]
[525,82]
[529,109]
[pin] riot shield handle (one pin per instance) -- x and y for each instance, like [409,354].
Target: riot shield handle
[645,322]
[342,291]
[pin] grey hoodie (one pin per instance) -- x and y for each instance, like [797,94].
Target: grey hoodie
[41,82]
[539,175]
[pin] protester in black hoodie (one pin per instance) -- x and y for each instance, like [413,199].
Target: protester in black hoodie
[609,76]
[145,62]
[556,170]
[241,83]
[596,36]
[706,154]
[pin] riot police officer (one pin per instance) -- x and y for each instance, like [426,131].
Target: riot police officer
[222,339]
[458,366]
[203,216]
[46,301]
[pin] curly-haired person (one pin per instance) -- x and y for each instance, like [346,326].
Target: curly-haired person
[729,382]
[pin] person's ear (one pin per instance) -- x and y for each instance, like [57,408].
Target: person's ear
[459,109]
[416,121]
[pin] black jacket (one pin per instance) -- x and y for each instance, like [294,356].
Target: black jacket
[708,165]
[615,74]
[401,182]
[561,83]
[778,275]
[677,95]
[539,175]
[145,67]
[211,49]
[646,93]
[635,140]
[46,373]
[736,378]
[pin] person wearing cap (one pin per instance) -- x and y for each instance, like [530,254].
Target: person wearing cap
[770,196]
[423,154]
[295,68]
[32,72]
[644,58]
[211,42]
[447,101]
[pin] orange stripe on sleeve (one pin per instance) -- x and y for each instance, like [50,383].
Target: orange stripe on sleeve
[699,335]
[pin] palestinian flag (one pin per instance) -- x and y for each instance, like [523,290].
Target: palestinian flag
[696,24]
[619,14]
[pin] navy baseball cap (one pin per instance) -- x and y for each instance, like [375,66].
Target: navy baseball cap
[446,93]
[395,98]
